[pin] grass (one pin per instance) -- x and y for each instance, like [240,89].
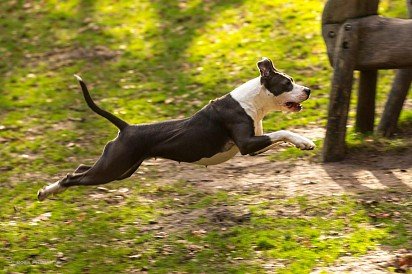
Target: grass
[148,61]
[323,230]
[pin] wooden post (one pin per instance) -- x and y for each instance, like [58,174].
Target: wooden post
[397,96]
[368,43]
[344,65]
[393,107]
[409,4]
[336,12]
[365,113]
[385,43]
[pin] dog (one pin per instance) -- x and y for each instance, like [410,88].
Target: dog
[213,135]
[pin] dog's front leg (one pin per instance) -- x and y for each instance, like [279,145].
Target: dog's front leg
[294,138]
[283,135]
[243,135]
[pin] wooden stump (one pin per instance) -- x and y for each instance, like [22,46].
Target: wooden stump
[344,65]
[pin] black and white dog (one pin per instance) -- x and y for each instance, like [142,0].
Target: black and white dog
[211,136]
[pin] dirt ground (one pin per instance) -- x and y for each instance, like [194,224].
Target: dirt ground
[367,175]
[361,173]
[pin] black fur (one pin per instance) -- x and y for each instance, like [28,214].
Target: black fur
[216,128]
[273,80]
[115,120]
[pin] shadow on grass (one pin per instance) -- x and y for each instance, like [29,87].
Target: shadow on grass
[377,175]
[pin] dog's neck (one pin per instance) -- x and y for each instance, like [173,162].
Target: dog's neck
[255,99]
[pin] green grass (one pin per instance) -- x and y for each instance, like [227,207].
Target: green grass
[96,237]
[148,61]
[300,243]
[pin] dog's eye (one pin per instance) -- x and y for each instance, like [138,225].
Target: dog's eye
[286,83]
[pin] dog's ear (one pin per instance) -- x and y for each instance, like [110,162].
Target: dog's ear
[265,67]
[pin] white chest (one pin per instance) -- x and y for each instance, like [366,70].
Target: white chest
[219,157]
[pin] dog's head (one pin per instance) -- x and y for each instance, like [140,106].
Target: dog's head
[286,94]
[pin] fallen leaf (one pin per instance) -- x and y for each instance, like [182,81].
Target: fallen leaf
[42,217]
[160,235]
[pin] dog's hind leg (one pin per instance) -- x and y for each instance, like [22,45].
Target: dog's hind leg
[93,176]
[130,172]
[117,162]
[54,188]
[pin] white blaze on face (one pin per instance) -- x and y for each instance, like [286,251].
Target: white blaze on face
[299,92]
[296,95]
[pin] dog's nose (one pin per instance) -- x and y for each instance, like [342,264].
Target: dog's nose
[307,91]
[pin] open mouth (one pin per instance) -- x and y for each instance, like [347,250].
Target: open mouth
[293,106]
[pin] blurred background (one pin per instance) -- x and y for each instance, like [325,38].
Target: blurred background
[148,61]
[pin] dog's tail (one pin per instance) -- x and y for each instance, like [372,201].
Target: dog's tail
[115,120]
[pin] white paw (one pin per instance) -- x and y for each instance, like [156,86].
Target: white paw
[41,194]
[304,143]
[54,188]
